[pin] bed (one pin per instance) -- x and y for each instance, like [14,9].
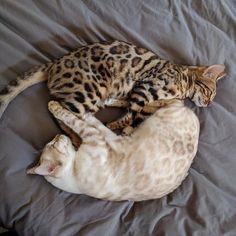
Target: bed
[185,32]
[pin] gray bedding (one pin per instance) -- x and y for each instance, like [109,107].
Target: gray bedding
[186,32]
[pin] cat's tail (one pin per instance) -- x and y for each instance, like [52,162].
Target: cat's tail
[35,75]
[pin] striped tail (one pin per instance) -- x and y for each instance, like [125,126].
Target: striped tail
[35,75]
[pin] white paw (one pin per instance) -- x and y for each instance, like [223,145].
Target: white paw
[54,106]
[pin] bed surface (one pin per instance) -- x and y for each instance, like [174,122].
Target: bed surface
[185,32]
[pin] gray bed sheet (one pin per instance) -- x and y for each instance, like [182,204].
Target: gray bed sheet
[185,32]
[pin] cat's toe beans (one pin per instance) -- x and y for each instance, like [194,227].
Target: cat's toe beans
[54,106]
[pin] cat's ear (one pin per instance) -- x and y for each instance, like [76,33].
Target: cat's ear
[215,72]
[45,169]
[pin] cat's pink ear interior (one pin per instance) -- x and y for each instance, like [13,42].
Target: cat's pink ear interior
[215,72]
[45,169]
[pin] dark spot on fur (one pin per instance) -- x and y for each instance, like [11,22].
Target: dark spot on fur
[83,51]
[67,75]
[149,82]
[77,81]
[172,92]
[58,70]
[119,49]
[141,103]
[107,73]
[141,94]
[98,94]
[90,95]
[93,102]
[79,97]
[123,63]
[94,70]
[99,77]
[4,91]
[117,86]
[14,83]
[87,87]
[103,85]
[153,93]
[178,148]
[87,108]
[190,147]
[137,121]
[77,54]
[72,107]
[96,52]
[94,78]
[77,73]
[94,86]
[96,59]
[101,70]
[146,62]
[136,61]
[68,85]
[128,56]
[104,57]
[69,63]
[110,62]
[140,51]
[164,88]
[84,65]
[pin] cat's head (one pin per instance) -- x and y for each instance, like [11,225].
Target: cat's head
[204,83]
[55,158]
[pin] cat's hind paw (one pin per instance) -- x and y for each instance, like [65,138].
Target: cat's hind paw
[127,131]
[54,107]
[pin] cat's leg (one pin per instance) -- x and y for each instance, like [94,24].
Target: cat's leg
[80,108]
[75,139]
[121,103]
[89,129]
[146,111]
[140,96]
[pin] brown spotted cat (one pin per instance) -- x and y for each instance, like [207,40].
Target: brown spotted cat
[85,79]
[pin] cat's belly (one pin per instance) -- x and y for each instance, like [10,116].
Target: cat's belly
[139,178]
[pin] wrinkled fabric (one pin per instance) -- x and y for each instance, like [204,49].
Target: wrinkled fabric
[185,32]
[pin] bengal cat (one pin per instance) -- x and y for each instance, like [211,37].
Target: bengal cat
[94,75]
[149,164]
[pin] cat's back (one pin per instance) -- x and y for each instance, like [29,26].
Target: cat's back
[162,151]
[172,120]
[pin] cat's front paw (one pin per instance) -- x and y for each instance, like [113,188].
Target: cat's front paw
[54,107]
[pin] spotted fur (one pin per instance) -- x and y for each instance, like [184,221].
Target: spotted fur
[86,78]
[149,164]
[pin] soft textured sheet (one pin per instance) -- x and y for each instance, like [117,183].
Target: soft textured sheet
[186,32]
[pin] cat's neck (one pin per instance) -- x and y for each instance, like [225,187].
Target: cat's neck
[186,83]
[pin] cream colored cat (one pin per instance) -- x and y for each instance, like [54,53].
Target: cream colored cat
[149,164]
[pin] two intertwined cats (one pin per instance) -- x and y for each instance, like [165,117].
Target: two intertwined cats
[94,75]
[151,162]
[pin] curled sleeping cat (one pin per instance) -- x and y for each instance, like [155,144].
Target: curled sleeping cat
[84,79]
[149,164]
